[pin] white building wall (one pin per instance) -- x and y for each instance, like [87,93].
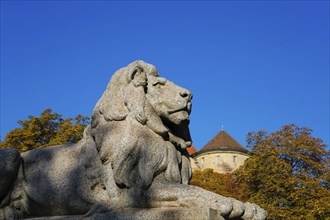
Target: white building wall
[219,161]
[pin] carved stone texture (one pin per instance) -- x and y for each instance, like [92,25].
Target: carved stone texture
[132,162]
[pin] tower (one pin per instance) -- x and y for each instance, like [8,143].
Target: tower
[222,154]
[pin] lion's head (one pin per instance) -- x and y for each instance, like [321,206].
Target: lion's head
[139,91]
[171,102]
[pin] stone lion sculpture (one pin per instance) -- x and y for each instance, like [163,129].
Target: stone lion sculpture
[132,162]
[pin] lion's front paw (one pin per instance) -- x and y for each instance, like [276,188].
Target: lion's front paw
[193,196]
[233,209]
[246,211]
[238,209]
[254,212]
[225,206]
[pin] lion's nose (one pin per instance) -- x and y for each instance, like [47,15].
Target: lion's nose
[186,94]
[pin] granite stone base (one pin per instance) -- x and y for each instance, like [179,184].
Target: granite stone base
[147,214]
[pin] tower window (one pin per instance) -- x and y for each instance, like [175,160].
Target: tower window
[202,161]
[217,159]
[234,159]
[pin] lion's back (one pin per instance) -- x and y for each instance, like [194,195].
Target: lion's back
[51,176]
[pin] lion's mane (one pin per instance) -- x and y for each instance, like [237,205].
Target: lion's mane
[131,136]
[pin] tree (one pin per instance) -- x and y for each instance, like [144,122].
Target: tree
[287,174]
[47,130]
[220,183]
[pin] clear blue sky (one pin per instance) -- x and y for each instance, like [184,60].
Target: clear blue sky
[251,65]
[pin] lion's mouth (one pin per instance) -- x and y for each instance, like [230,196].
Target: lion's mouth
[186,108]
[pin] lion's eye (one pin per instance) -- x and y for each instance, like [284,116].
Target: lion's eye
[156,84]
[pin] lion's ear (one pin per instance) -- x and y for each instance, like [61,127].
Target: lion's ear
[137,76]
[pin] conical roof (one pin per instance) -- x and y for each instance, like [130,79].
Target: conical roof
[223,141]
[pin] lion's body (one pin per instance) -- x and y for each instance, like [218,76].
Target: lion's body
[133,154]
[59,180]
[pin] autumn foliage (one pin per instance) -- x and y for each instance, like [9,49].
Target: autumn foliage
[47,130]
[287,174]
[221,183]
